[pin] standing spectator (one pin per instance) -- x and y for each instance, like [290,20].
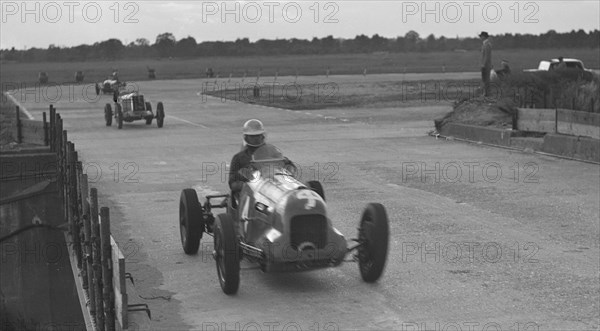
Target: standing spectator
[486,62]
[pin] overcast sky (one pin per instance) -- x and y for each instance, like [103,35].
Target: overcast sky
[72,23]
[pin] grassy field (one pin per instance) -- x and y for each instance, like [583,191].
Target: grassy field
[135,70]
[350,94]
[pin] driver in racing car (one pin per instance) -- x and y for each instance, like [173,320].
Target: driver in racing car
[254,137]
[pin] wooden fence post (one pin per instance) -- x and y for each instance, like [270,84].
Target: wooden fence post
[85,216]
[96,264]
[19,127]
[52,129]
[64,152]
[87,229]
[58,150]
[45,129]
[74,202]
[108,293]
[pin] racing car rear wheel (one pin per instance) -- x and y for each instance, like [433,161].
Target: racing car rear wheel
[119,116]
[316,186]
[108,114]
[191,225]
[226,254]
[373,235]
[149,118]
[160,114]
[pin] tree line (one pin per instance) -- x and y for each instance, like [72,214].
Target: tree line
[166,45]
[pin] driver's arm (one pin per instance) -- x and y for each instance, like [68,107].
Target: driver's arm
[236,181]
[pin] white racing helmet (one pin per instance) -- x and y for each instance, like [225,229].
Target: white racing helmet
[253,128]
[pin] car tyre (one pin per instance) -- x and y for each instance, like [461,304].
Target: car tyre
[226,254]
[149,118]
[160,114]
[316,186]
[108,114]
[373,237]
[119,116]
[191,224]
[97,89]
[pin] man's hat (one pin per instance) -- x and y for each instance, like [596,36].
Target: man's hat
[484,34]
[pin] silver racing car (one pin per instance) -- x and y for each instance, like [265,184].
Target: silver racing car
[279,223]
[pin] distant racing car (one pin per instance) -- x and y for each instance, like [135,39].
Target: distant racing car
[131,107]
[109,86]
[279,223]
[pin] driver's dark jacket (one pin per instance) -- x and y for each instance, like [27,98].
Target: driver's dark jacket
[240,160]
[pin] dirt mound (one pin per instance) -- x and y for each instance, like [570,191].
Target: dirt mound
[480,111]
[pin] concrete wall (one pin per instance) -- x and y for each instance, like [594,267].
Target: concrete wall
[578,147]
[565,121]
[477,133]
[36,280]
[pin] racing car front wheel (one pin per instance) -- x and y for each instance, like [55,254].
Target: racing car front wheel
[119,112]
[108,114]
[226,254]
[160,114]
[149,118]
[373,236]
[191,224]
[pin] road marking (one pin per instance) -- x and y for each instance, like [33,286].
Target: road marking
[188,122]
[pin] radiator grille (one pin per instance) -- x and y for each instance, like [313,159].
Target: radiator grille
[311,228]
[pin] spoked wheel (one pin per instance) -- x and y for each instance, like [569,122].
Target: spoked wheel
[160,114]
[149,118]
[226,254]
[191,224]
[119,116]
[316,186]
[373,235]
[108,114]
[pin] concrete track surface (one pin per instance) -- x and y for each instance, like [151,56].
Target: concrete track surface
[481,238]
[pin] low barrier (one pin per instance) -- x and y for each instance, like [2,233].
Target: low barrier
[99,260]
[31,131]
[563,121]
